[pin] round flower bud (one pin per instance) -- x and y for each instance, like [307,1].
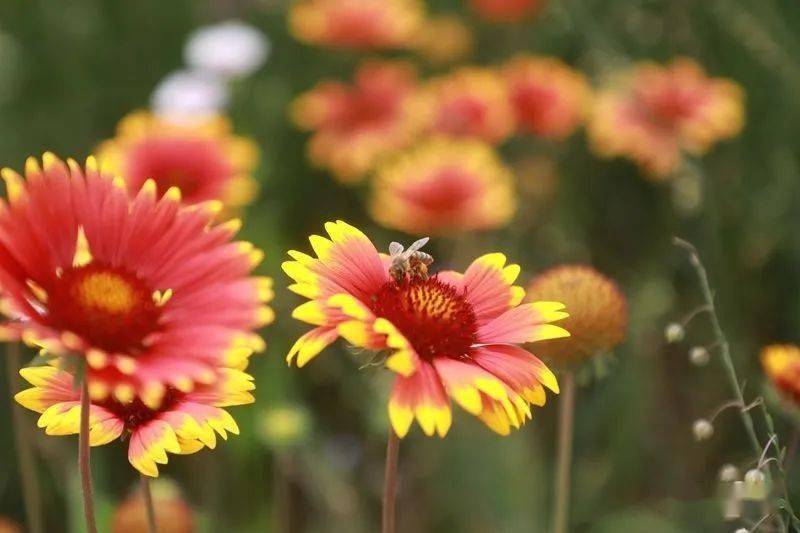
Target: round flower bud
[598,312]
[741,530]
[728,473]
[702,429]
[173,515]
[755,485]
[674,332]
[699,356]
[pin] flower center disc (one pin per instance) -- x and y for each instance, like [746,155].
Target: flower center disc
[111,308]
[432,315]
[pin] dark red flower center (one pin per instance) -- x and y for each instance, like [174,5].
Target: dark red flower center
[109,307]
[434,316]
[136,413]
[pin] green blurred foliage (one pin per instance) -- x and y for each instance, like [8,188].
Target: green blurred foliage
[69,71]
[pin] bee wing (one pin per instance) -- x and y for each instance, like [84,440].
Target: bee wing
[395,249]
[417,245]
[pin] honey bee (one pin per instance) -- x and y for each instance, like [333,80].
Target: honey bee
[411,263]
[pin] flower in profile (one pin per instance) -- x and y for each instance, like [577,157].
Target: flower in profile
[173,514]
[151,293]
[781,363]
[653,114]
[450,335]
[506,10]
[202,158]
[548,97]
[227,49]
[358,24]
[184,423]
[355,126]
[186,94]
[444,185]
[598,312]
[443,39]
[470,102]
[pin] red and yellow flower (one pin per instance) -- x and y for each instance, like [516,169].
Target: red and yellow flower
[506,10]
[201,157]
[151,293]
[549,98]
[451,335]
[443,39]
[444,185]
[598,312]
[470,102]
[359,24]
[184,423]
[357,125]
[653,114]
[781,363]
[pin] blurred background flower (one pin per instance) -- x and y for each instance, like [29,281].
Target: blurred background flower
[173,514]
[228,49]
[506,10]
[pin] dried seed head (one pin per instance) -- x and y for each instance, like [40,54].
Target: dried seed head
[702,429]
[674,332]
[699,356]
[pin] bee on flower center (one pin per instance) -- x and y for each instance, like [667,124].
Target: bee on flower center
[411,264]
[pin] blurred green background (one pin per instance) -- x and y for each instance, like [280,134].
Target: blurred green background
[70,70]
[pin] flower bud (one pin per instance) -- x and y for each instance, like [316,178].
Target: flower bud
[728,473]
[699,356]
[702,429]
[674,332]
[742,530]
[755,485]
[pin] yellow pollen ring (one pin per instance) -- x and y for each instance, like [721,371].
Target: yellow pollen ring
[107,292]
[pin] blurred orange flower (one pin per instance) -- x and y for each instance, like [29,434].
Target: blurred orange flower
[442,186]
[470,102]
[360,24]
[549,97]
[598,312]
[173,515]
[201,157]
[506,10]
[7,526]
[654,113]
[356,125]
[781,363]
[444,39]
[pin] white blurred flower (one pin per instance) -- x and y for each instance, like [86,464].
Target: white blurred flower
[185,94]
[702,429]
[228,49]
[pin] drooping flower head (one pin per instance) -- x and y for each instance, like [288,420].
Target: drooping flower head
[357,125]
[184,423]
[358,24]
[173,514]
[548,97]
[598,312]
[450,335]
[443,39]
[201,157]
[781,363]
[506,10]
[444,185]
[653,114]
[470,102]
[151,293]
[184,95]
[227,49]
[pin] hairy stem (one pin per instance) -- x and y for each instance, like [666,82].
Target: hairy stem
[83,459]
[566,423]
[147,496]
[390,482]
[31,491]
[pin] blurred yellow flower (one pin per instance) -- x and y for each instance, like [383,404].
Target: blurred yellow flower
[357,125]
[550,99]
[781,363]
[469,102]
[199,156]
[444,39]
[442,186]
[360,24]
[284,425]
[598,312]
[652,114]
